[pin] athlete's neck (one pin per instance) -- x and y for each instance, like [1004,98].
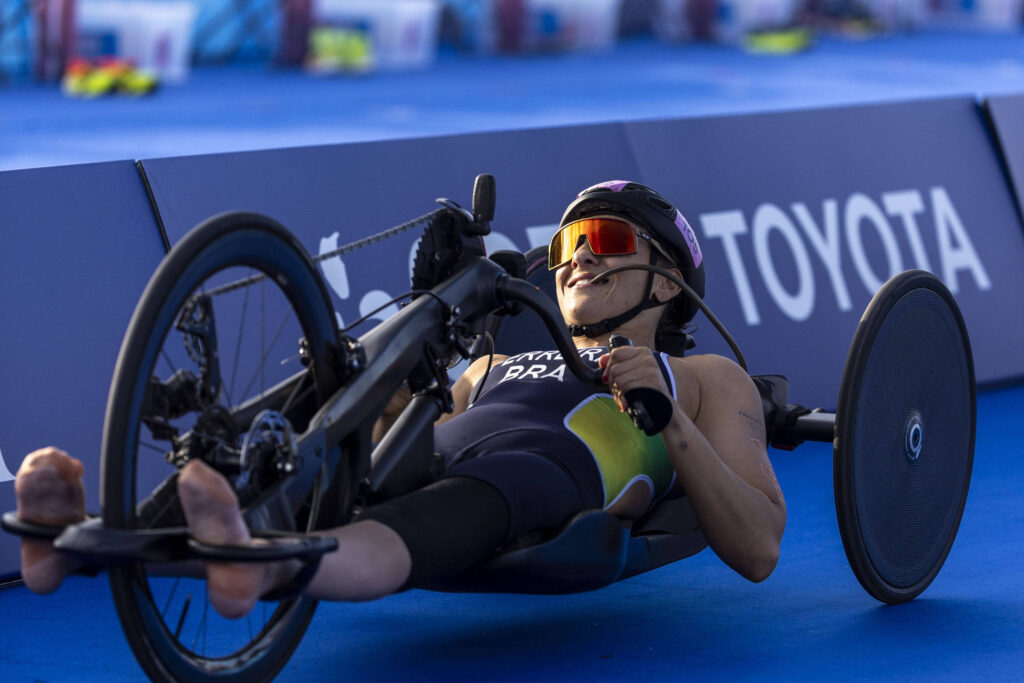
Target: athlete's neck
[639,337]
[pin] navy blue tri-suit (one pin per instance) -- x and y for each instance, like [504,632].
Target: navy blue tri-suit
[535,448]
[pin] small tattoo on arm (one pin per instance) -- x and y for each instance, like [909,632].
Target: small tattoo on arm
[750,418]
[682,445]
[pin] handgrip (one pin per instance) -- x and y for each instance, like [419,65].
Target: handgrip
[650,409]
[483,198]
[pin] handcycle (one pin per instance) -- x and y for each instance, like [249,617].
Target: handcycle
[297,445]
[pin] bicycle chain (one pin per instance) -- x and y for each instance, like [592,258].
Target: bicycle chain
[352,246]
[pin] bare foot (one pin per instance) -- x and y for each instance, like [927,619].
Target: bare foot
[211,509]
[49,490]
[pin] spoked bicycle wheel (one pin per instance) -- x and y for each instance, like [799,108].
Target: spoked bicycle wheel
[212,367]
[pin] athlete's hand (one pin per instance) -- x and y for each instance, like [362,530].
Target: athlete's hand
[632,367]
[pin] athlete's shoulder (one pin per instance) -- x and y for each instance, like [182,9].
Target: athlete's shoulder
[714,373]
[707,362]
[479,366]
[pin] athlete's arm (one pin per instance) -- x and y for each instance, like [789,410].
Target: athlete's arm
[722,461]
[462,389]
[719,454]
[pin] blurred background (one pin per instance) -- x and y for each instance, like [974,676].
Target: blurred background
[176,77]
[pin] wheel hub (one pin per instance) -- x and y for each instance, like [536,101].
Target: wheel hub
[268,447]
[914,436]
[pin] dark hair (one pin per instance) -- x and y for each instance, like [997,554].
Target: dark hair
[674,333]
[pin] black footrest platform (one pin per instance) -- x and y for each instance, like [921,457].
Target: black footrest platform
[93,543]
[13,524]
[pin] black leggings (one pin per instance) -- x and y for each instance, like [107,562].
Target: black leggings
[480,505]
[447,526]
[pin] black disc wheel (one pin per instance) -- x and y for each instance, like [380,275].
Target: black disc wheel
[905,427]
[234,322]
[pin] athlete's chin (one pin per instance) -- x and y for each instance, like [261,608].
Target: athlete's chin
[584,303]
[585,312]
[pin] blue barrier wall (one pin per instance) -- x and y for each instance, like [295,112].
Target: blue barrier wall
[79,244]
[1006,113]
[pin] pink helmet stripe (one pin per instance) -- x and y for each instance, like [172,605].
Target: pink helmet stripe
[691,239]
[613,185]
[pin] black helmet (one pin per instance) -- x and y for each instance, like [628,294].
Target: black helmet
[648,209]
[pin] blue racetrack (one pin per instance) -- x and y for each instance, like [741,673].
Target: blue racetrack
[695,619]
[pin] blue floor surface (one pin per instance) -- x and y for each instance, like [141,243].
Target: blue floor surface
[255,107]
[695,619]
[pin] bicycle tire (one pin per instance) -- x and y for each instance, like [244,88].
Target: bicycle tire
[224,241]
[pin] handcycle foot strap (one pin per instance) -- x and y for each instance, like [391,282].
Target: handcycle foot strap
[282,546]
[13,524]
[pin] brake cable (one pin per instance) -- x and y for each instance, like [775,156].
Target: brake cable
[690,293]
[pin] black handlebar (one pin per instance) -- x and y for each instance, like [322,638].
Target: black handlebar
[650,409]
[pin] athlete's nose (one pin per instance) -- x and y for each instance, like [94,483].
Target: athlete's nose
[583,253]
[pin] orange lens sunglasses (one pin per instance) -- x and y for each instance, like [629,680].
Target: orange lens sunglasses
[606,237]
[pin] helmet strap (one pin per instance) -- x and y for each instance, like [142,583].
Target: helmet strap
[605,326]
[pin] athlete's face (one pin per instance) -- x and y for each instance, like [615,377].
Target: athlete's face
[583,301]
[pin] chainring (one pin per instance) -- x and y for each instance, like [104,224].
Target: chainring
[437,253]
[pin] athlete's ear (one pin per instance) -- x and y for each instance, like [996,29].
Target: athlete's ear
[664,289]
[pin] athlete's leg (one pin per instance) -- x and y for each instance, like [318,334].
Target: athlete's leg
[428,534]
[431,533]
[48,489]
[436,531]
[371,560]
[540,490]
